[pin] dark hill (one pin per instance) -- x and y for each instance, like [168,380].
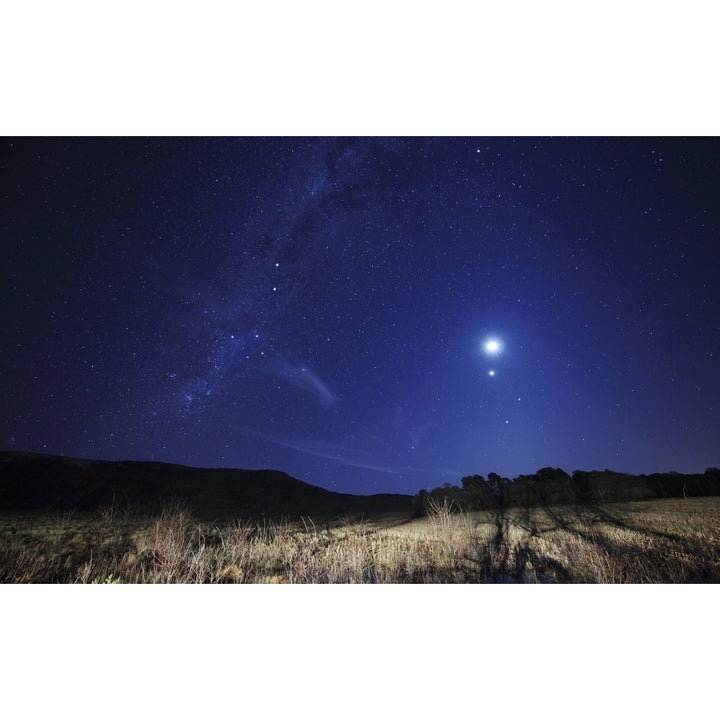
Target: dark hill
[31,482]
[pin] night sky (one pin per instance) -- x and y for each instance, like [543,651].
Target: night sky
[365,314]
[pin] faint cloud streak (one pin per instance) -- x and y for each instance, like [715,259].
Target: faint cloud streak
[344,455]
[303,378]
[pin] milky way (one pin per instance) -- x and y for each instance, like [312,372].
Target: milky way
[366,314]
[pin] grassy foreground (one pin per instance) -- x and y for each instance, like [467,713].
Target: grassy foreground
[657,541]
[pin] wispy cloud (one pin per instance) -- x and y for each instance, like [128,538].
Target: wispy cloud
[347,456]
[329,451]
[303,378]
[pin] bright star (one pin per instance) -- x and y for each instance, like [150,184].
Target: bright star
[491,373]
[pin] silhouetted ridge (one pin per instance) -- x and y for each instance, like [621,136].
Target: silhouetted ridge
[30,481]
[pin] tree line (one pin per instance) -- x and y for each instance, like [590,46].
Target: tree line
[553,486]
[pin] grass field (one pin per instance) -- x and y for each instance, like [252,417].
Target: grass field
[657,541]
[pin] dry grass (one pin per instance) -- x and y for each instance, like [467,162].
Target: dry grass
[661,541]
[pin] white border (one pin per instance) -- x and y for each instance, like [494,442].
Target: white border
[287,68]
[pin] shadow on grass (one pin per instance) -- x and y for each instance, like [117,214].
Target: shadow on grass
[599,544]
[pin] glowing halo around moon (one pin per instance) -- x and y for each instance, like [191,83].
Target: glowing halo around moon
[492,346]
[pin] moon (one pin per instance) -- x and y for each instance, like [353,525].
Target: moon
[492,346]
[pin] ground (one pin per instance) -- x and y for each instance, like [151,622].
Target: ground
[665,541]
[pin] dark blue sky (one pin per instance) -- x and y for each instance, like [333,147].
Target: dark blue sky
[321,306]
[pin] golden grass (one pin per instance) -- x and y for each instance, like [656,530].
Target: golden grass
[660,541]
